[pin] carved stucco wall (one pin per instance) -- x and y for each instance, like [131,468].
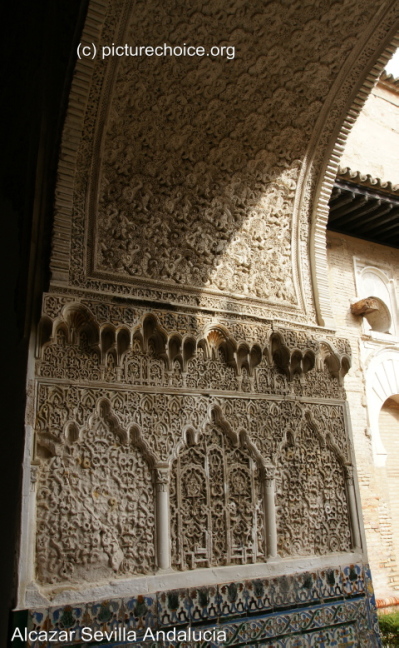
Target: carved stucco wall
[167,440]
[180,325]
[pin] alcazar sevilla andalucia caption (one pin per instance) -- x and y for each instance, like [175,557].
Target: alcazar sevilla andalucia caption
[189,467]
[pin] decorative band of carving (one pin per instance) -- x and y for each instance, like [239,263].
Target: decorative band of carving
[109,347]
[349,474]
[74,125]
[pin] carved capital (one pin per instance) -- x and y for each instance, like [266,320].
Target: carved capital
[34,469]
[349,474]
[162,479]
[268,474]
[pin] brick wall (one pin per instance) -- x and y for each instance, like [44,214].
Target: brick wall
[381,519]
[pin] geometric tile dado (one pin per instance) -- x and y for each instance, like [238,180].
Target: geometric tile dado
[325,608]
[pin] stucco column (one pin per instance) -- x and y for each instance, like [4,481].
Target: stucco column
[162,517]
[269,506]
[352,507]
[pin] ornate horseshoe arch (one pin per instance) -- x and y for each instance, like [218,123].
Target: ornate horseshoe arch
[367,78]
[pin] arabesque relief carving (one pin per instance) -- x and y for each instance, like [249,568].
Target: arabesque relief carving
[117,465]
[187,410]
[310,496]
[95,503]
[216,502]
[192,187]
[129,438]
[141,223]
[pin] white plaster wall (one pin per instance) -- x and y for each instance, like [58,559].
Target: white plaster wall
[373,143]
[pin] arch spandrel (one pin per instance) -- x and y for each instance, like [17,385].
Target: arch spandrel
[200,173]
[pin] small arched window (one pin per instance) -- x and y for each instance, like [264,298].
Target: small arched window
[375,303]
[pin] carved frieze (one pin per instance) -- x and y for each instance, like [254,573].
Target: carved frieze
[175,440]
[162,417]
[198,354]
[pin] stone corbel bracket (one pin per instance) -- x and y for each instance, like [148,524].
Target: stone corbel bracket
[375,311]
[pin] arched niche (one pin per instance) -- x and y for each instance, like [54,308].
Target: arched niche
[95,505]
[314,511]
[216,502]
[374,284]
[382,382]
[388,421]
[376,313]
